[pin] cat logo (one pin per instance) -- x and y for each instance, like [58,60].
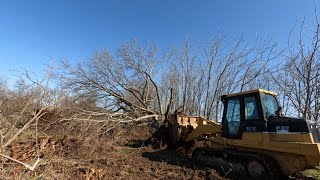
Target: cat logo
[282,129]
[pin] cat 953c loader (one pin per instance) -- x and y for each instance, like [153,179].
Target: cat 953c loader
[253,137]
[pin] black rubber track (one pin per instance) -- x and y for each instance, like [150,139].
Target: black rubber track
[232,155]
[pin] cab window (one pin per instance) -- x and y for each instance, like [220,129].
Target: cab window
[233,116]
[251,110]
[270,105]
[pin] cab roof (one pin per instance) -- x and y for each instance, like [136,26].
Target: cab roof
[252,91]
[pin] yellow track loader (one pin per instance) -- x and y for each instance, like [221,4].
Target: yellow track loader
[253,137]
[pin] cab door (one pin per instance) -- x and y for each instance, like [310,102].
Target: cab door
[232,118]
[242,113]
[253,120]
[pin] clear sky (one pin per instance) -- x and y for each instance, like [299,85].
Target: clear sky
[34,32]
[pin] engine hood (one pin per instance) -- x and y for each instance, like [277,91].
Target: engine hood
[285,125]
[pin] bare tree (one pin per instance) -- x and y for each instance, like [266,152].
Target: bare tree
[125,82]
[200,74]
[299,79]
[138,81]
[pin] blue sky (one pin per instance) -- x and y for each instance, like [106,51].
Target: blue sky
[34,32]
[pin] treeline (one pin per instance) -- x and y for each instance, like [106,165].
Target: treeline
[141,79]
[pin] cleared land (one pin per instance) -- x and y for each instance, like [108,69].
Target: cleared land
[70,156]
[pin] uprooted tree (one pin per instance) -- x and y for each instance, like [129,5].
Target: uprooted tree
[140,80]
[126,83]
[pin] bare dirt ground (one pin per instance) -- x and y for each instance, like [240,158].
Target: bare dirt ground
[64,156]
[74,154]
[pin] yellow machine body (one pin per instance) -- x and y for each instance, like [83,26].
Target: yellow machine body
[293,152]
[262,134]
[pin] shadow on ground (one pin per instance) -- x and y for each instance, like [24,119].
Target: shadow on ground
[136,143]
[170,157]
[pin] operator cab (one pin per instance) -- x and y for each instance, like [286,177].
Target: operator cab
[259,111]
